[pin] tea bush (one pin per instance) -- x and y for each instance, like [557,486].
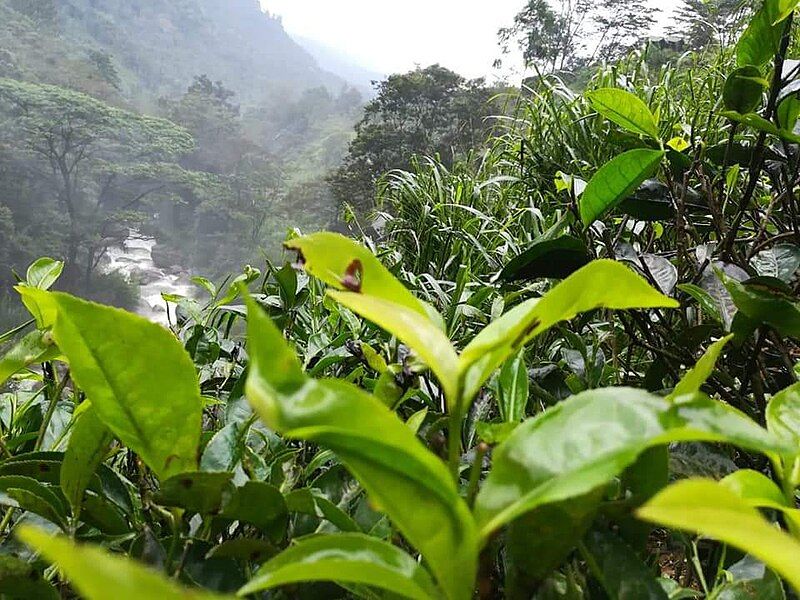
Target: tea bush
[566,368]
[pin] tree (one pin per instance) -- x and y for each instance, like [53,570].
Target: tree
[82,148]
[563,35]
[703,23]
[431,111]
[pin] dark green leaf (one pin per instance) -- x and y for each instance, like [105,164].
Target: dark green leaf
[259,504]
[29,494]
[765,301]
[197,492]
[20,580]
[744,89]
[626,110]
[553,259]
[622,573]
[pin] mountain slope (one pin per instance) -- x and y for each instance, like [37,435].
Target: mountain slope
[342,65]
[159,45]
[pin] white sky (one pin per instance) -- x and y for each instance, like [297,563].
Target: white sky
[391,37]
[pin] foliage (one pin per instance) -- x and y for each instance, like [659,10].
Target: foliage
[431,111]
[544,377]
[563,35]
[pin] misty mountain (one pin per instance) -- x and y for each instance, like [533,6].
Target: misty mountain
[152,48]
[342,65]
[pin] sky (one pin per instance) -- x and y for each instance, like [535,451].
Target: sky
[390,37]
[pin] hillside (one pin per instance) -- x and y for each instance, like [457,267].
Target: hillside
[155,48]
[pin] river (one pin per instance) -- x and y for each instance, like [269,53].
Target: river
[134,260]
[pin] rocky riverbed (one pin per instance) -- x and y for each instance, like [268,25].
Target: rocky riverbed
[134,260]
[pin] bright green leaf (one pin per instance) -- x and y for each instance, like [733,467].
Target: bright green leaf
[402,478]
[89,441]
[783,415]
[626,110]
[366,287]
[600,284]
[35,347]
[141,382]
[699,374]
[784,8]
[754,487]
[513,387]
[413,329]
[43,273]
[349,558]
[96,574]
[708,508]
[616,180]
[585,441]
[761,40]
[344,264]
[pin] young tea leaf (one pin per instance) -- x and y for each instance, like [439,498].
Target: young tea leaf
[403,479]
[626,110]
[708,508]
[616,180]
[35,347]
[348,558]
[141,382]
[699,374]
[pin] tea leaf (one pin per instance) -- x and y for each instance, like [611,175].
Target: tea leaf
[35,347]
[708,508]
[127,366]
[626,110]
[88,443]
[94,572]
[349,558]
[600,284]
[616,180]
[702,370]
[402,478]
[585,441]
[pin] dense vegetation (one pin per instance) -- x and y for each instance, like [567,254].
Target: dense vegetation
[194,120]
[561,363]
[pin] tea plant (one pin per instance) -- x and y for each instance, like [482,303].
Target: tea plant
[567,370]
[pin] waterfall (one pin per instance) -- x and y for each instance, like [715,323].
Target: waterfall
[134,261]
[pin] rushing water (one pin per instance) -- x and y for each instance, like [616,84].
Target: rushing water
[134,260]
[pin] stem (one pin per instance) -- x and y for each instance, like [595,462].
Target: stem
[698,567]
[51,409]
[454,443]
[6,519]
[475,472]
